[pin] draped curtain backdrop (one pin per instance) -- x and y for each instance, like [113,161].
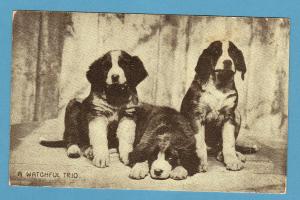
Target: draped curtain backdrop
[52,52]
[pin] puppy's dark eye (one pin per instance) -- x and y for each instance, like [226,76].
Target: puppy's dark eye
[124,64]
[170,156]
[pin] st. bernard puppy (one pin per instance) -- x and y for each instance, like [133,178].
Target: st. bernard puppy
[109,109]
[164,145]
[211,101]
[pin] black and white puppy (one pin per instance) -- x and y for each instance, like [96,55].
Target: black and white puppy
[211,101]
[109,109]
[164,145]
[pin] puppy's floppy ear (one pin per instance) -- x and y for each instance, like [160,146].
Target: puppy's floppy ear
[97,72]
[140,72]
[141,151]
[186,148]
[184,142]
[135,71]
[189,160]
[207,60]
[238,58]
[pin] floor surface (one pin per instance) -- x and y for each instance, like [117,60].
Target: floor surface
[33,164]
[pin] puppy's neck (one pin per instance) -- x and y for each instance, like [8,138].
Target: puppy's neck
[224,87]
[115,100]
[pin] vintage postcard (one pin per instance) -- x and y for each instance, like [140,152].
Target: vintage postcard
[149,102]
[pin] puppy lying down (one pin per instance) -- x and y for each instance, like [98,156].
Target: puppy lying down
[164,145]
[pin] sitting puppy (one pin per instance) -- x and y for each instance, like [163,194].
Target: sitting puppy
[211,101]
[164,145]
[109,109]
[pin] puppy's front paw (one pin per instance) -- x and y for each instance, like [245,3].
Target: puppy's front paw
[203,167]
[88,153]
[233,163]
[124,158]
[101,158]
[202,154]
[73,151]
[139,170]
[239,155]
[124,151]
[179,173]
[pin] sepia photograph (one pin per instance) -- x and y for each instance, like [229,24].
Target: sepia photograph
[149,101]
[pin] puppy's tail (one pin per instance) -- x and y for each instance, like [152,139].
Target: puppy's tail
[55,144]
[247,149]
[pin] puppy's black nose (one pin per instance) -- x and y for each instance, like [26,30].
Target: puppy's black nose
[115,78]
[158,172]
[227,64]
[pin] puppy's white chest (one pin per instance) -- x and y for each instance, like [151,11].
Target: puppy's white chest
[212,99]
[113,117]
[216,99]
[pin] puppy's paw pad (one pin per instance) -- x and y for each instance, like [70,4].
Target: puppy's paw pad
[179,173]
[73,151]
[234,165]
[139,171]
[203,167]
[101,159]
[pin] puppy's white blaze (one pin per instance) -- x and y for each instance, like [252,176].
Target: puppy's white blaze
[98,134]
[225,47]
[115,68]
[228,140]
[161,164]
[224,56]
[161,156]
[115,58]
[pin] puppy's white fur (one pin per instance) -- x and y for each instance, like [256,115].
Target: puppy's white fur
[224,56]
[98,140]
[161,164]
[115,69]
[231,160]
[179,173]
[201,148]
[73,149]
[126,135]
[139,170]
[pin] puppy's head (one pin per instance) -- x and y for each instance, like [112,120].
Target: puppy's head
[163,158]
[172,148]
[116,70]
[221,60]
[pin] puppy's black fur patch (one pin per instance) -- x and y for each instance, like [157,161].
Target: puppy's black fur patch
[194,107]
[212,97]
[153,121]
[107,100]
